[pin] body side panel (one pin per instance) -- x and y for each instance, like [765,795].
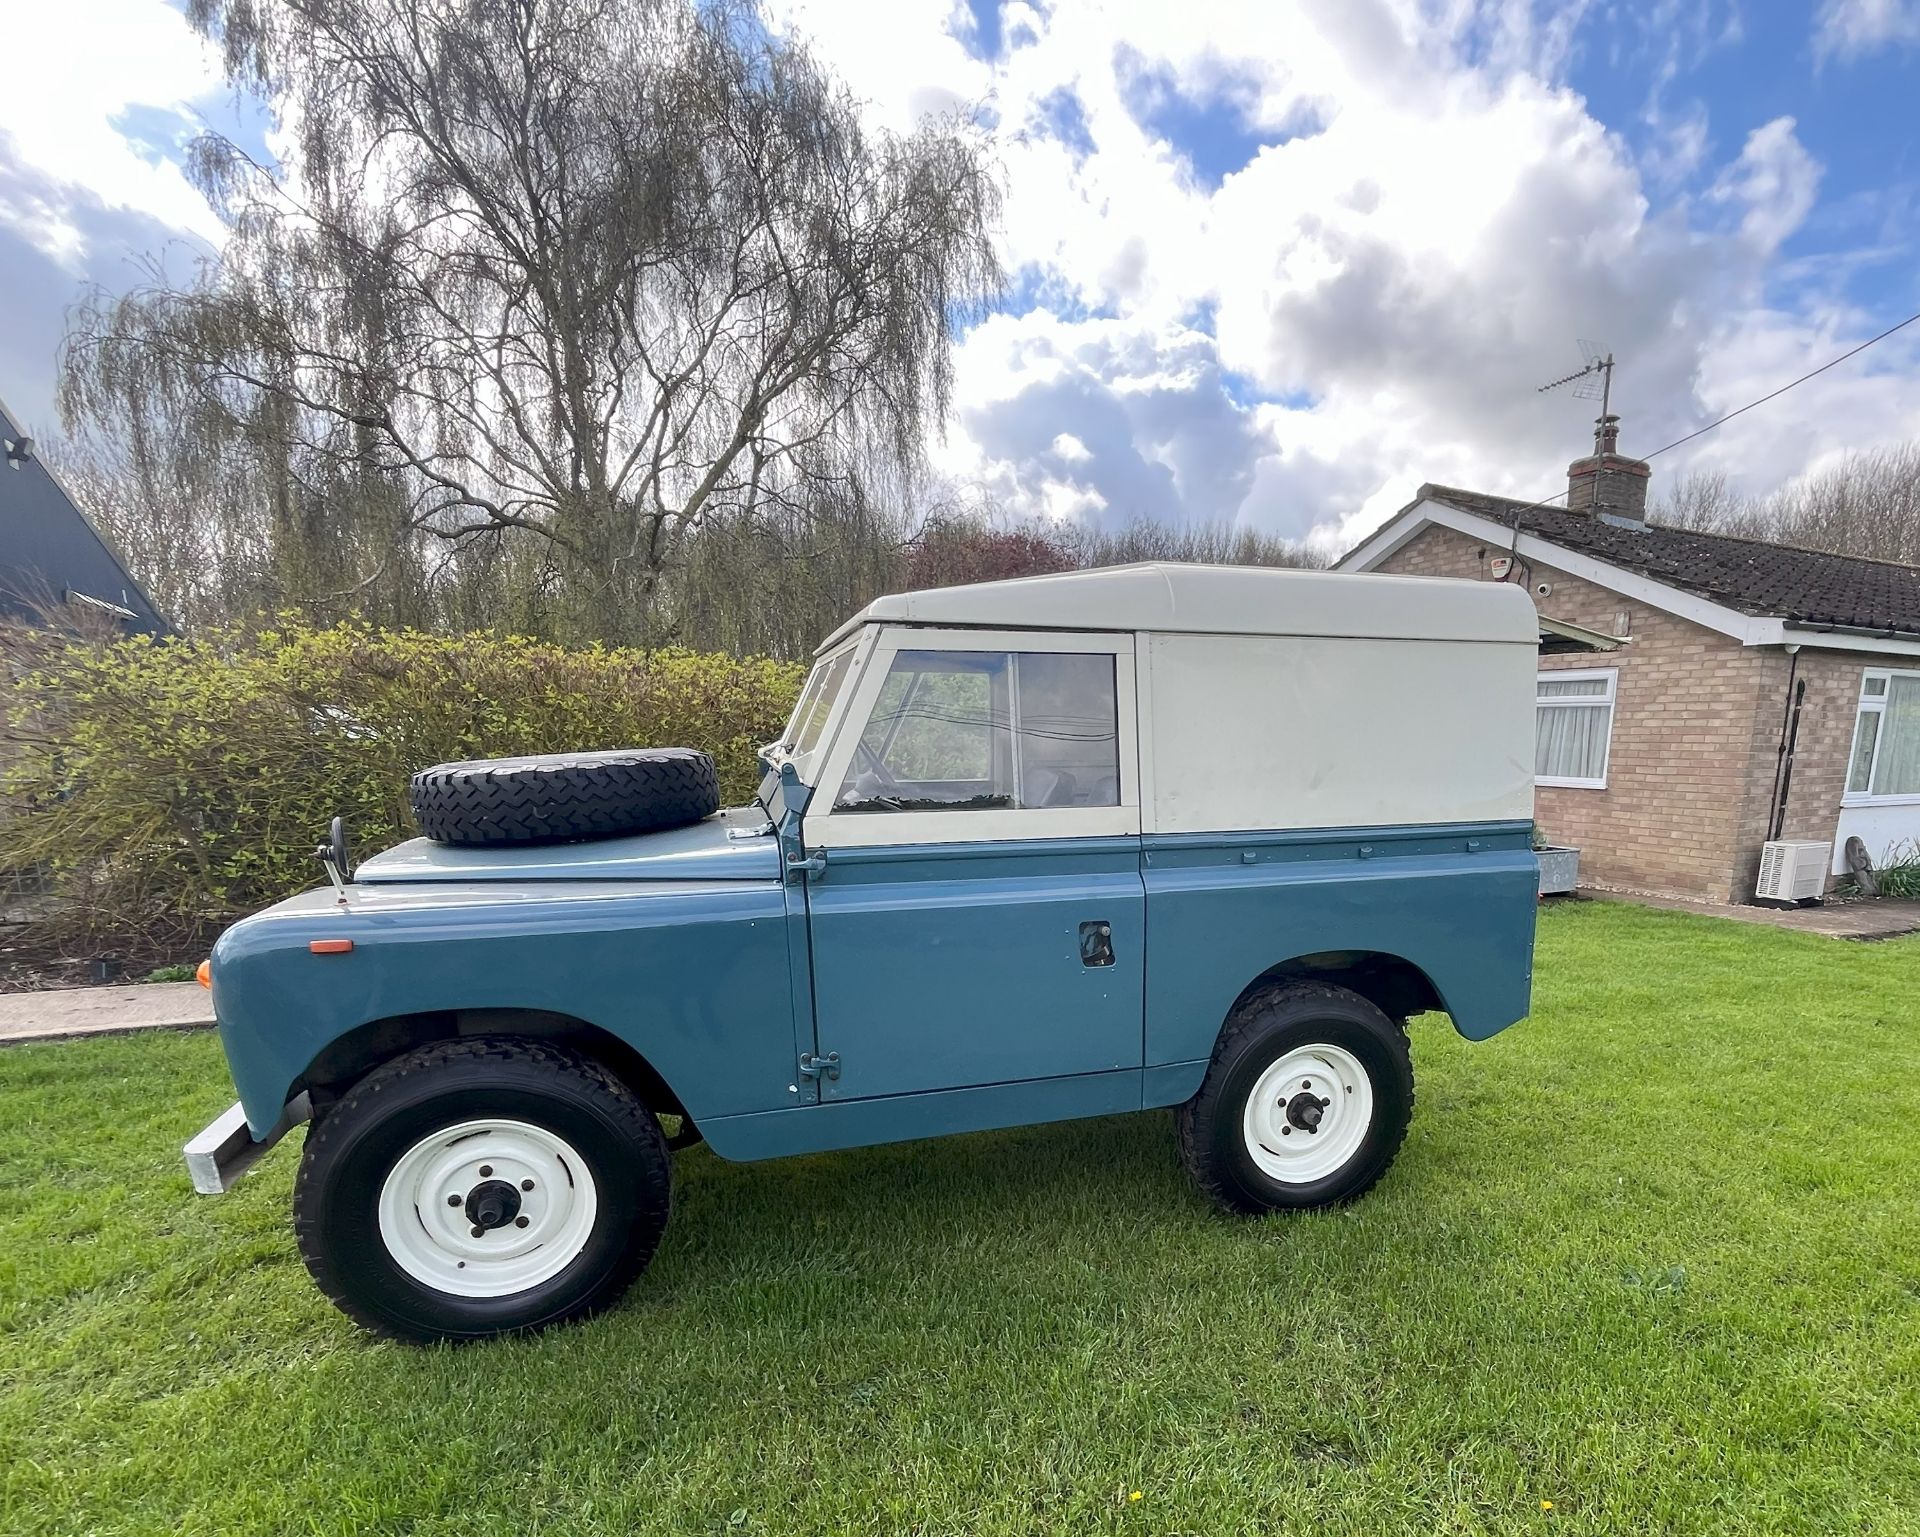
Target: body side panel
[1171,1083]
[694,975]
[1457,901]
[907,1117]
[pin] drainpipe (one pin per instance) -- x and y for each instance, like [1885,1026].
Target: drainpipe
[1789,737]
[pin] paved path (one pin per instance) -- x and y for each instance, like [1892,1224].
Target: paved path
[63,1011]
[1882,918]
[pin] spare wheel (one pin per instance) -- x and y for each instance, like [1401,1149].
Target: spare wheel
[554,797]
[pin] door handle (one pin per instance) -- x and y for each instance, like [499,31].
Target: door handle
[1096,943]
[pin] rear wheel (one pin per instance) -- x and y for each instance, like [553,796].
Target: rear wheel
[1305,1103]
[480,1187]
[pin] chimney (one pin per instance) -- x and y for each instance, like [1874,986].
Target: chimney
[1606,484]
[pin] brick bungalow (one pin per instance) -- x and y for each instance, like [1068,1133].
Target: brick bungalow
[1698,694]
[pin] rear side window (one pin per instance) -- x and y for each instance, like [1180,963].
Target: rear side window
[988,731]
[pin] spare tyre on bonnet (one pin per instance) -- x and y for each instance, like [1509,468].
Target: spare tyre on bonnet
[556,797]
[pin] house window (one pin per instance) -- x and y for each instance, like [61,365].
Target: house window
[1885,764]
[1573,727]
[988,731]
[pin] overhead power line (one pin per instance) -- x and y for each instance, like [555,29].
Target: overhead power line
[1814,374]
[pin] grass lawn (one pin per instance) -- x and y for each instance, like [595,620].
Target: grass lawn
[1653,1256]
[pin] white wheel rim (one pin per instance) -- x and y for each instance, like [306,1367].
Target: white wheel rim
[430,1234]
[1279,1122]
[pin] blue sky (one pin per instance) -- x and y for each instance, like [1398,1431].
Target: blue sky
[1273,263]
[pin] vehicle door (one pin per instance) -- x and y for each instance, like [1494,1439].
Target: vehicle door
[979,915]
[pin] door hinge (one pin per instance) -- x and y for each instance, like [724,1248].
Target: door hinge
[814,1066]
[811,868]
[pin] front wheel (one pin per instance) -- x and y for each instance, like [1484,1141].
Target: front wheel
[480,1187]
[1304,1105]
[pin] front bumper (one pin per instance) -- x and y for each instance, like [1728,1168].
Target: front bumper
[226,1148]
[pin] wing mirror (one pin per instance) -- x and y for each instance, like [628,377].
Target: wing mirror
[333,854]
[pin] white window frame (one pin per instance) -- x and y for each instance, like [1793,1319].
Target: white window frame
[858,647]
[1865,705]
[1611,676]
[828,828]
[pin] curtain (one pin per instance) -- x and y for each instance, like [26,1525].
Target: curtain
[1896,758]
[1572,739]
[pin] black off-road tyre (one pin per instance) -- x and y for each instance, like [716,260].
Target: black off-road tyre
[353,1148]
[1267,1026]
[563,797]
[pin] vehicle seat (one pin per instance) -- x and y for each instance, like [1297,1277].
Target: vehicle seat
[1049,787]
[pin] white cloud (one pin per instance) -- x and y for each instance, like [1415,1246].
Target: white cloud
[1773,183]
[1850,28]
[1372,300]
[1296,342]
[75,72]
[1117,419]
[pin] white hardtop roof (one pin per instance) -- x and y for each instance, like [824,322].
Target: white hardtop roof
[1221,600]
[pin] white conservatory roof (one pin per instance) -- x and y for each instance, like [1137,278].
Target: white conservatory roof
[1221,600]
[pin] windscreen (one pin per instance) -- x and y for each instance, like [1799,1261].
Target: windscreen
[806,731]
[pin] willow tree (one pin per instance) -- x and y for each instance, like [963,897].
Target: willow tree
[568,278]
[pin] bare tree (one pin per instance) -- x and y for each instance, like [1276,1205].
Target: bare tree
[1868,504]
[554,281]
[1703,502]
[1212,544]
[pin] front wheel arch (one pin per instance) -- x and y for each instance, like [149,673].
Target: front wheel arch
[349,1057]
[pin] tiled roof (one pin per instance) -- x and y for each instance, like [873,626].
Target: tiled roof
[1807,587]
[51,555]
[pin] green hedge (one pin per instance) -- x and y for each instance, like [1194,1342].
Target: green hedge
[157,791]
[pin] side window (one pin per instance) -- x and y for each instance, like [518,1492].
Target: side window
[1573,715]
[1068,742]
[816,704]
[988,730]
[1886,737]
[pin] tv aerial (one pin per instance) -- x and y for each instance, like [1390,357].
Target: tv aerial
[1594,382]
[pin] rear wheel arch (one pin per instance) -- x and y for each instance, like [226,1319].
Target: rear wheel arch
[1391,983]
[349,1057]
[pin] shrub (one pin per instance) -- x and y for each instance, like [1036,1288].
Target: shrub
[1900,875]
[158,790]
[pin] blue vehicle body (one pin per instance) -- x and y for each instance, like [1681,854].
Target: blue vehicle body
[790,1003]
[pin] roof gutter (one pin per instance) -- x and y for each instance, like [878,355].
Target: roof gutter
[1805,628]
[1832,637]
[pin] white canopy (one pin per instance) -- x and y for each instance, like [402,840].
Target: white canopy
[1221,600]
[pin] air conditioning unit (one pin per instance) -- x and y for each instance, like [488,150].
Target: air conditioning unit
[1793,873]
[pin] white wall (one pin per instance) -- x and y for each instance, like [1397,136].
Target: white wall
[1252,732]
[1882,828]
